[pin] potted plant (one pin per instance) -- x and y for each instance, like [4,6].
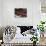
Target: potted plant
[41,27]
[34,39]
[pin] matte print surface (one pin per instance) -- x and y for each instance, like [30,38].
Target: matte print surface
[20,12]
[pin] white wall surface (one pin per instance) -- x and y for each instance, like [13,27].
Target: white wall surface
[0,12]
[33,12]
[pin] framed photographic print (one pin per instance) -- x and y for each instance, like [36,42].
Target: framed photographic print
[20,12]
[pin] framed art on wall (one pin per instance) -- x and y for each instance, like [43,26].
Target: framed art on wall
[20,12]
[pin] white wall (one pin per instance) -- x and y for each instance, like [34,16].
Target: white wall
[33,12]
[0,13]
